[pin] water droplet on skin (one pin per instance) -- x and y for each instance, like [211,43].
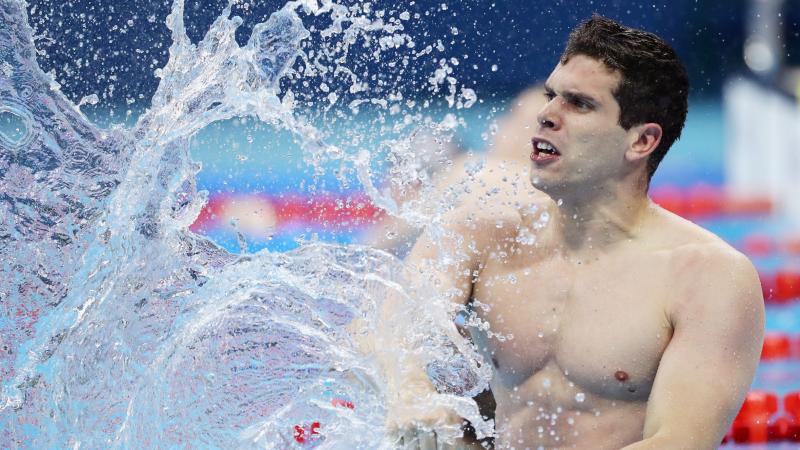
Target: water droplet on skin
[580,397]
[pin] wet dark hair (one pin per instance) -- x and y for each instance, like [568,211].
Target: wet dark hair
[654,87]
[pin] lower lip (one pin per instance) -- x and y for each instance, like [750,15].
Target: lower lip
[543,159]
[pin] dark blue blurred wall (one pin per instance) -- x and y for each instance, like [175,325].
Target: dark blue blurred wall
[112,48]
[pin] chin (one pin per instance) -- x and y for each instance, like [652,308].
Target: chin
[549,187]
[554,188]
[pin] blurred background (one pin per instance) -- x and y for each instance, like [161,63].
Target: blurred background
[735,171]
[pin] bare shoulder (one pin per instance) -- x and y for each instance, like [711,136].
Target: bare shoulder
[483,222]
[498,200]
[706,255]
[708,274]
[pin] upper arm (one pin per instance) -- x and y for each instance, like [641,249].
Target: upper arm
[451,253]
[447,255]
[708,366]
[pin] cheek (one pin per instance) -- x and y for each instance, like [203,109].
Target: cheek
[601,148]
[598,140]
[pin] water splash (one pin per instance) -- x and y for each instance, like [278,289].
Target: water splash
[122,329]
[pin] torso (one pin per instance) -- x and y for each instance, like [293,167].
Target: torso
[587,336]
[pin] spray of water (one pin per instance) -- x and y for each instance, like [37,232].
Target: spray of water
[122,329]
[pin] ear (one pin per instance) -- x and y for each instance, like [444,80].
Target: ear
[645,138]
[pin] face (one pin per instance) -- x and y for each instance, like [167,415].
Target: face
[578,142]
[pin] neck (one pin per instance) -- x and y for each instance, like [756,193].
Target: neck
[601,216]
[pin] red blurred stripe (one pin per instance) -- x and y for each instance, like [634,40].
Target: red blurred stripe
[702,200]
[355,210]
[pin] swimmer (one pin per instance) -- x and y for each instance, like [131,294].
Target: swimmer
[632,328]
[505,167]
[394,234]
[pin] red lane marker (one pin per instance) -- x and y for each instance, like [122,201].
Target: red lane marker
[787,284]
[791,404]
[758,245]
[752,423]
[352,210]
[670,198]
[782,428]
[211,214]
[767,286]
[776,346]
[704,200]
[747,205]
[791,245]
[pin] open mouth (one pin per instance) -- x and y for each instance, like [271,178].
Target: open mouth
[544,152]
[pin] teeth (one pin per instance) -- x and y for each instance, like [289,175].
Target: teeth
[544,146]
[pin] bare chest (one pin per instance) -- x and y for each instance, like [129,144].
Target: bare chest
[599,328]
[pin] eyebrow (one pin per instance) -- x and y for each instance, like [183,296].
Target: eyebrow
[572,96]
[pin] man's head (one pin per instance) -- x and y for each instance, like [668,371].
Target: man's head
[609,72]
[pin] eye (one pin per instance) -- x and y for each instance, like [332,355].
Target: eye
[580,104]
[549,95]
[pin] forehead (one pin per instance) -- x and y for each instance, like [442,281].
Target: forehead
[585,75]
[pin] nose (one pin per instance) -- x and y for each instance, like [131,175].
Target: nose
[546,123]
[548,118]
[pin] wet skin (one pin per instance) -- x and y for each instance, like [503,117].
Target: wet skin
[588,334]
[590,328]
[623,316]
